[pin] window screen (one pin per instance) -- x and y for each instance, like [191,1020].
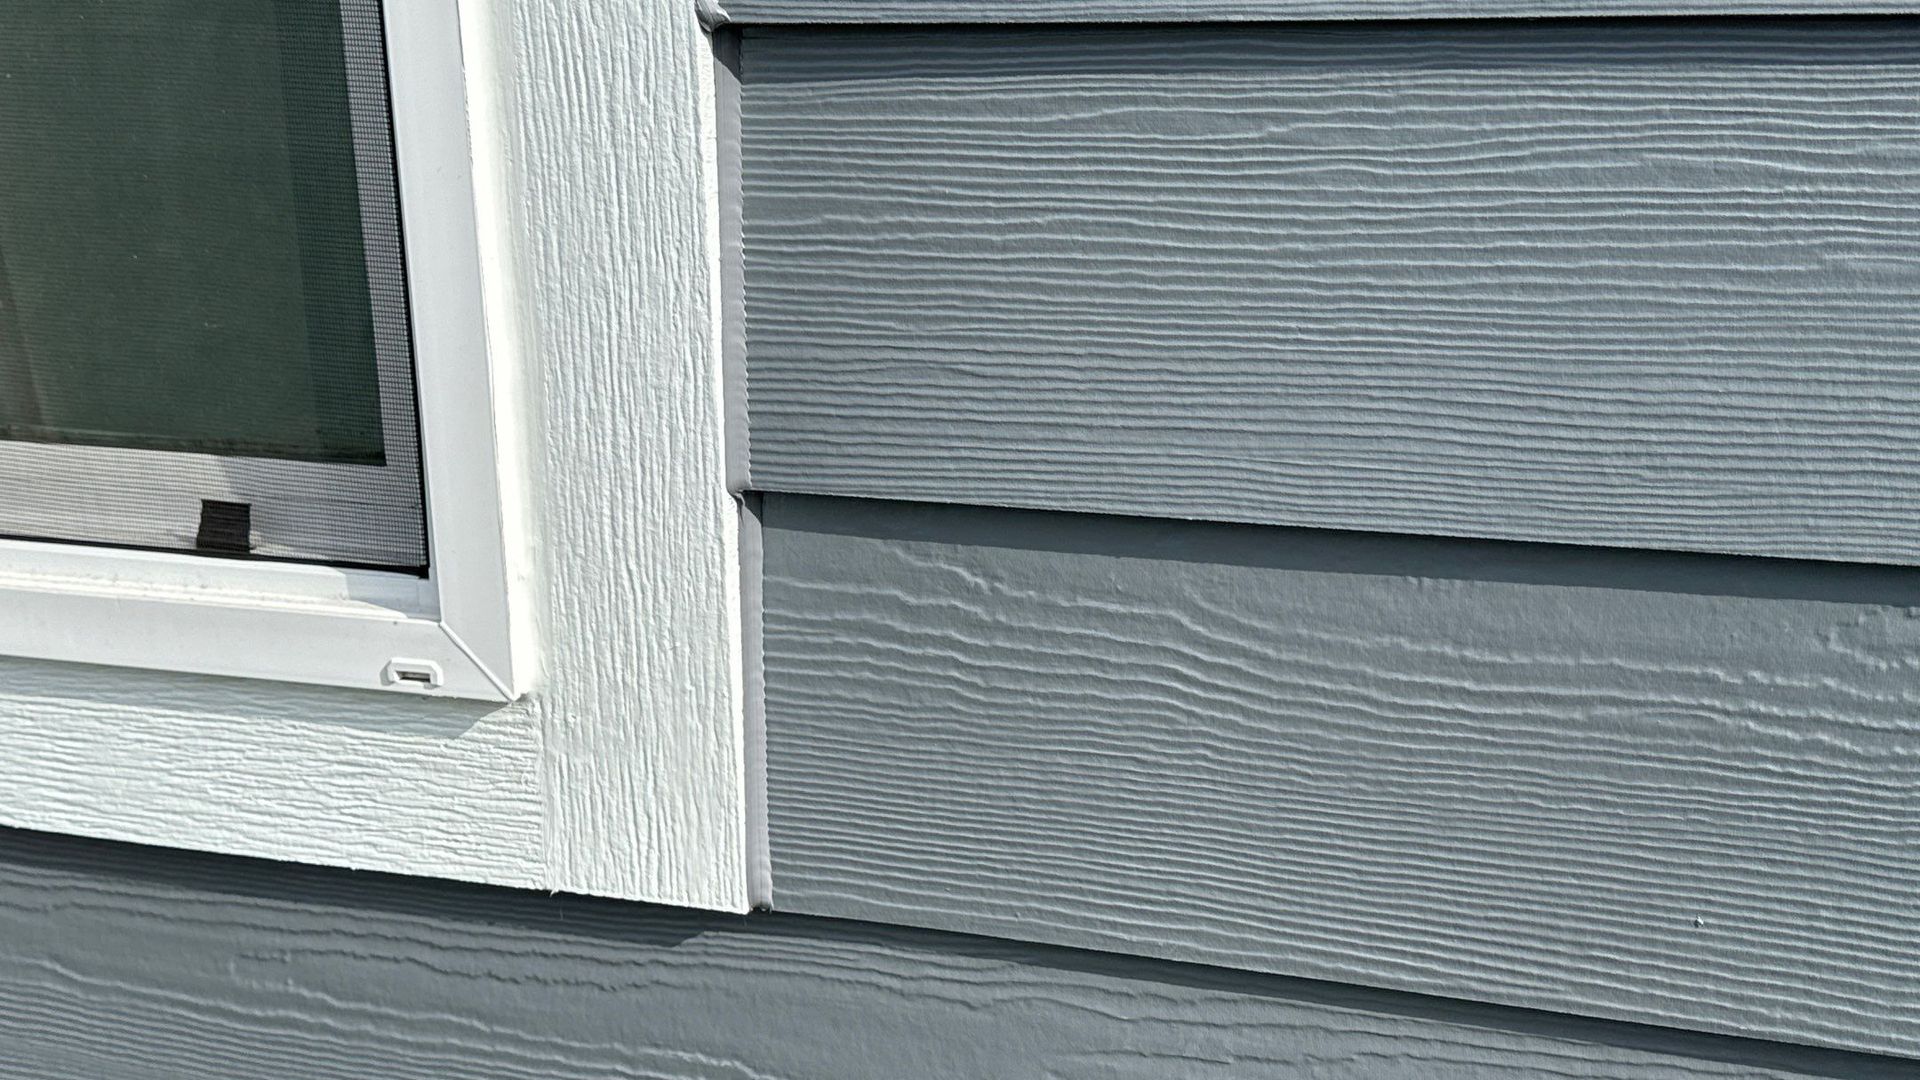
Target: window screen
[203,326]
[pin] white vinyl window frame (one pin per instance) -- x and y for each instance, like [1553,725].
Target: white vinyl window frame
[301,510]
[452,633]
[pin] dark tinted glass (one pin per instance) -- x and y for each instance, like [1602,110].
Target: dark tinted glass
[182,262]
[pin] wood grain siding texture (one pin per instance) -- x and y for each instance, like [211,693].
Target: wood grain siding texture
[1648,284]
[1677,789]
[1124,11]
[610,190]
[146,965]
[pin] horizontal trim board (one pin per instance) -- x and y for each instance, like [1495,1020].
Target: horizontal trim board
[117,961]
[844,12]
[1663,788]
[1645,284]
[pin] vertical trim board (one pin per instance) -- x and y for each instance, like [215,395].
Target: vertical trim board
[644,756]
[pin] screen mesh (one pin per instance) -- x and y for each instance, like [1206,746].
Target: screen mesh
[202,295]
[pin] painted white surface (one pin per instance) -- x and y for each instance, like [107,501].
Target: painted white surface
[303,624]
[621,773]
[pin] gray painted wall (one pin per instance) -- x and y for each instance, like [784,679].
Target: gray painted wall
[1169,764]
[1669,788]
[1040,11]
[141,964]
[1639,283]
[1627,284]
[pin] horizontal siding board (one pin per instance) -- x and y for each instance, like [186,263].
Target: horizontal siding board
[125,962]
[1648,284]
[1678,789]
[1044,11]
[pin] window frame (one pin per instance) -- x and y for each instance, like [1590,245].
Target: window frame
[140,492]
[455,632]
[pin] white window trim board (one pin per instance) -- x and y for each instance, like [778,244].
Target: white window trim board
[621,770]
[456,636]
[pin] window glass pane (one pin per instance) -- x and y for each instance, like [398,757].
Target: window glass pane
[182,263]
[204,339]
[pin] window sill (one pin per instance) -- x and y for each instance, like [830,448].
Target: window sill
[292,623]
